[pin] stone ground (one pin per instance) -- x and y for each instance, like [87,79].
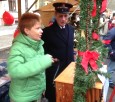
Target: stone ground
[5,41]
[6,37]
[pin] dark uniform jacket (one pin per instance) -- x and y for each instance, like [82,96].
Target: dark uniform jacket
[59,43]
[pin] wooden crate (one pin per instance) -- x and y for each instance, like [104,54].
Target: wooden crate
[64,87]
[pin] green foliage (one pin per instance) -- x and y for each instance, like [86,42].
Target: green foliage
[83,81]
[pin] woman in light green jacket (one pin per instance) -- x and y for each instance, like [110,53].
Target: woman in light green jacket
[27,62]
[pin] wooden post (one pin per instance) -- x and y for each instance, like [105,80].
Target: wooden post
[19,9]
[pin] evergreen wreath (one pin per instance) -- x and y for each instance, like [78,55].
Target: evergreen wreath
[88,45]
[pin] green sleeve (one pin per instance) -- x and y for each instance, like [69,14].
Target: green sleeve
[18,68]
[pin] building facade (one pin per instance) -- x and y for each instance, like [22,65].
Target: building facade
[12,7]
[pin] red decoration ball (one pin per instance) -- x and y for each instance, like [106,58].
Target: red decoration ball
[8,18]
[95,36]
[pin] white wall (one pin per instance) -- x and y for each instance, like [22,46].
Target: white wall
[3,7]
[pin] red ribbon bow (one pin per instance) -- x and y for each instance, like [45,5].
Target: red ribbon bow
[103,7]
[93,13]
[89,57]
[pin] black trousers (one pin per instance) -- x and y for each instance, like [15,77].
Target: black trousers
[50,85]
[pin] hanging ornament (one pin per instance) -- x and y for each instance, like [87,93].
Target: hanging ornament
[8,18]
[95,36]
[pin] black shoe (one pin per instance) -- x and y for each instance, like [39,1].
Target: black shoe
[111,85]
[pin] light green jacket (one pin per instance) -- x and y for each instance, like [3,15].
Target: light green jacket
[26,66]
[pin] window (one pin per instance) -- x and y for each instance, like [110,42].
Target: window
[12,5]
[26,5]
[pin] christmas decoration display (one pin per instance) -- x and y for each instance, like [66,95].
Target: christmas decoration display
[8,18]
[91,52]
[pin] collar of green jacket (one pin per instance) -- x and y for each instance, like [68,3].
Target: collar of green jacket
[21,38]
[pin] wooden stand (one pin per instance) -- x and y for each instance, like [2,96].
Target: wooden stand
[64,87]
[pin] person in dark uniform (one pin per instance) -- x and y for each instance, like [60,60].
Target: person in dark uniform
[59,40]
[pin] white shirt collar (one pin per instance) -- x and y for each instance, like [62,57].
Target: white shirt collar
[62,27]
